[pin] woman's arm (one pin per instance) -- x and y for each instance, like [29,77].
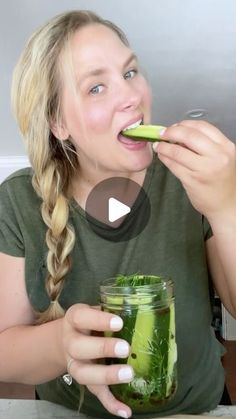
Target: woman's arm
[221,257]
[33,354]
[205,162]
[28,354]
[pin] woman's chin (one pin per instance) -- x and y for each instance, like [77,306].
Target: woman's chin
[141,161]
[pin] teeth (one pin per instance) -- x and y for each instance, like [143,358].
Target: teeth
[135,125]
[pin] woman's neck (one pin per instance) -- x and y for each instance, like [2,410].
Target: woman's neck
[82,184]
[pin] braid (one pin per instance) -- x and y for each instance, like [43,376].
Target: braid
[53,187]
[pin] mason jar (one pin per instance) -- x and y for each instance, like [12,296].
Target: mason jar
[146,305]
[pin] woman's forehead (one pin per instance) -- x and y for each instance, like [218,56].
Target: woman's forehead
[95,40]
[93,47]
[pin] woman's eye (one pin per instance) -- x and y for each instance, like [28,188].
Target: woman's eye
[96,89]
[130,74]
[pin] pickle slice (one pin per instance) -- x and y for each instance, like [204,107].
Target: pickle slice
[144,133]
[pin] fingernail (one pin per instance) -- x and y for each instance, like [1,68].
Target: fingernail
[116,323]
[122,414]
[155,145]
[125,374]
[122,349]
[162,132]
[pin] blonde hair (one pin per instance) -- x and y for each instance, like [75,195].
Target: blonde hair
[36,101]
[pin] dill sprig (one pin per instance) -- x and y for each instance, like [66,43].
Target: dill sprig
[136,280]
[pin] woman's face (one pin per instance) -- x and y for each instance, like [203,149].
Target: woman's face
[108,94]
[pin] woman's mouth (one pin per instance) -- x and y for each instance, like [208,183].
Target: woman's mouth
[128,142]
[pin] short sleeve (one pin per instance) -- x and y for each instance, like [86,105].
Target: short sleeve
[11,238]
[207,231]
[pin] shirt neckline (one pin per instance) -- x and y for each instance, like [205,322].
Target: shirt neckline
[138,202]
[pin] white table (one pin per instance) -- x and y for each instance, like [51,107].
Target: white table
[35,409]
[39,409]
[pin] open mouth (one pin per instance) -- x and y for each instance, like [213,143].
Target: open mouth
[136,124]
[126,140]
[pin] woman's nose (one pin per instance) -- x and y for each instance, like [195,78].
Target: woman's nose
[129,96]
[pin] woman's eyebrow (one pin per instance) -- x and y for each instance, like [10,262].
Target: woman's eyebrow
[132,57]
[103,70]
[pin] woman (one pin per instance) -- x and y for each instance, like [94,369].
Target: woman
[76,86]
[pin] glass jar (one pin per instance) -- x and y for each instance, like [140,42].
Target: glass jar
[146,305]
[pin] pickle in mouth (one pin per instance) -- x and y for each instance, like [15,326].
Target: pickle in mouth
[150,133]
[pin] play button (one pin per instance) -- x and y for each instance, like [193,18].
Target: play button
[117,209]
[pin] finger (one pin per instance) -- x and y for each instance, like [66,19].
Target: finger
[180,155]
[83,317]
[182,173]
[90,373]
[110,403]
[206,128]
[93,347]
[189,137]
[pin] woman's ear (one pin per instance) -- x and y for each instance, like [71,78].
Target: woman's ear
[59,131]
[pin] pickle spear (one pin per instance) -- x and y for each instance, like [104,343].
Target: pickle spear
[144,133]
[139,357]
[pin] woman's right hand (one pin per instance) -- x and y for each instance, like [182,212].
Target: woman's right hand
[83,348]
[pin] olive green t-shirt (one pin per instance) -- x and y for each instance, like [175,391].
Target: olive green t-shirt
[171,244]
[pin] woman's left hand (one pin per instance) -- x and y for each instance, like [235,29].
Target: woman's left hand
[205,162]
